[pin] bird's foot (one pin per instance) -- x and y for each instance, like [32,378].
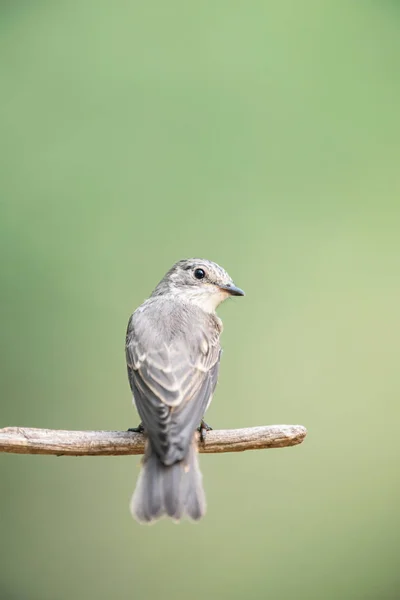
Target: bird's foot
[204,427]
[138,429]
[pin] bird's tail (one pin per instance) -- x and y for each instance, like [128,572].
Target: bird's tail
[169,490]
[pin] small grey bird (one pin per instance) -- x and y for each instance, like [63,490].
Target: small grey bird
[173,354]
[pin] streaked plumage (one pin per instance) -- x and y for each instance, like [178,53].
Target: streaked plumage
[173,353]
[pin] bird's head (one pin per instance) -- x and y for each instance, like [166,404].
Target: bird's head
[199,281]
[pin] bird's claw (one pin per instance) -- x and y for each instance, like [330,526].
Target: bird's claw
[138,429]
[202,429]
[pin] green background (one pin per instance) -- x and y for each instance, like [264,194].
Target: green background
[262,135]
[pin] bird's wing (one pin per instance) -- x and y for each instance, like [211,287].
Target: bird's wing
[172,385]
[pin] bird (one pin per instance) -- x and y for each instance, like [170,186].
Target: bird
[173,354]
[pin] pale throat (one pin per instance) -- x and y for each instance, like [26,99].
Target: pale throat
[209,300]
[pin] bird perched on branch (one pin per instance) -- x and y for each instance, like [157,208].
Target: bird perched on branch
[173,354]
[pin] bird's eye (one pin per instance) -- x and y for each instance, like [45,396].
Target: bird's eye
[199,273]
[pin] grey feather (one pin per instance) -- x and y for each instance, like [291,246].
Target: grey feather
[173,354]
[175,490]
[176,374]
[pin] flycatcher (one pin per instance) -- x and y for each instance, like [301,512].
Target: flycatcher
[173,353]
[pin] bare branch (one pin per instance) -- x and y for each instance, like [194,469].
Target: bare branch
[25,440]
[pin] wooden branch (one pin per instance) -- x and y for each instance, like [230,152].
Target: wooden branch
[25,440]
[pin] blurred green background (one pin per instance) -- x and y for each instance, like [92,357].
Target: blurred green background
[262,135]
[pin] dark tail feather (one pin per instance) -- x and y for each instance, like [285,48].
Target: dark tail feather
[174,490]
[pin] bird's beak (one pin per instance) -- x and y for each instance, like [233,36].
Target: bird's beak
[232,290]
